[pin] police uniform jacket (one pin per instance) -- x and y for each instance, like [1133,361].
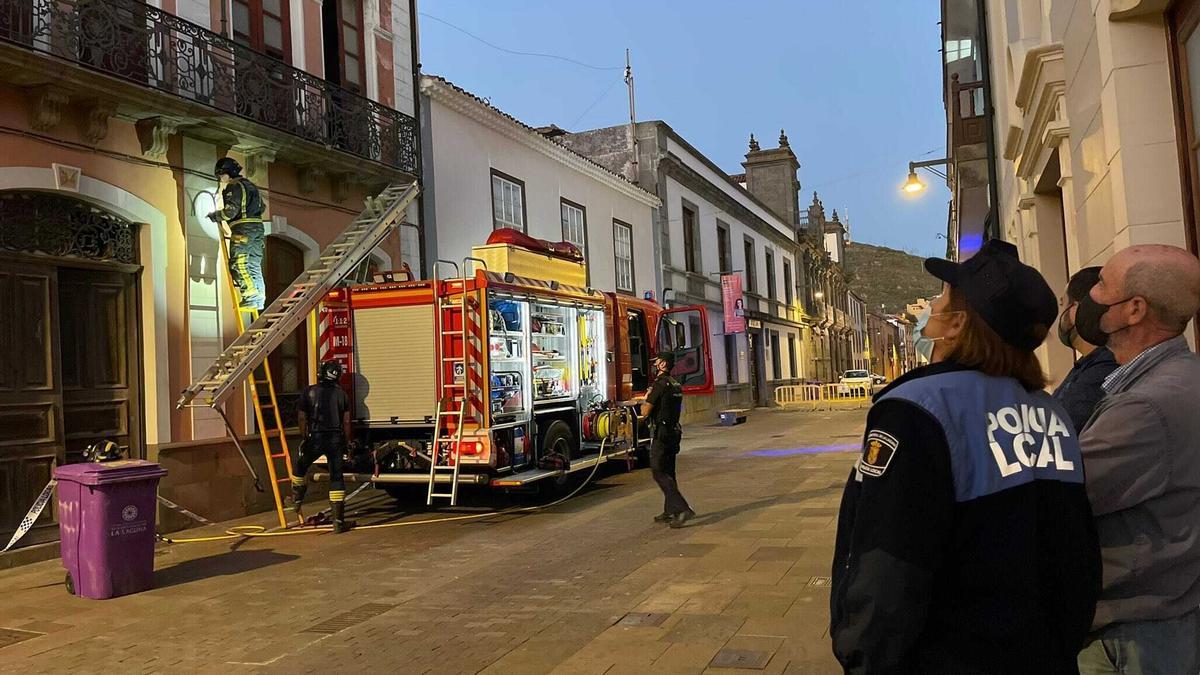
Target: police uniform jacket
[965,542]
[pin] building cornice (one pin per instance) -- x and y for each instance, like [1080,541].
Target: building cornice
[475,109]
[1037,61]
[1120,10]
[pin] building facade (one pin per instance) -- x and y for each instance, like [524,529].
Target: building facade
[487,170]
[709,224]
[856,316]
[1092,123]
[113,116]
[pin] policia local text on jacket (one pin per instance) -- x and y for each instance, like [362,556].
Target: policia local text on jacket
[964,538]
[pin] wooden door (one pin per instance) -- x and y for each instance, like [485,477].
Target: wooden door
[1183,26]
[99,366]
[31,416]
[283,262]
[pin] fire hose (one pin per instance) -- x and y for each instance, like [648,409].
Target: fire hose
[243,531]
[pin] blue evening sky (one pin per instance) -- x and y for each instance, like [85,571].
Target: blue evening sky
[856,84]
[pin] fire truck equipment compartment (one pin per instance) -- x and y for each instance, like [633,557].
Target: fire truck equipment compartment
[395,363]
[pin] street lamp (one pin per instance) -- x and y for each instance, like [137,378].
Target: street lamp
[913,184]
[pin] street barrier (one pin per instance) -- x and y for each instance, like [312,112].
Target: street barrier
[822,396]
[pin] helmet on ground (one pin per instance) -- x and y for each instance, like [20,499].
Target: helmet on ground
[102,451]
[330,371]
[227,166]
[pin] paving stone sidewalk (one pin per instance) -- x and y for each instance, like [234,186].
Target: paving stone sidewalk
[588,586]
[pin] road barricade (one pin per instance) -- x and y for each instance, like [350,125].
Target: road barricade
[822,396]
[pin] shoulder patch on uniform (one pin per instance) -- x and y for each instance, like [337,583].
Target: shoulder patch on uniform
[878,450]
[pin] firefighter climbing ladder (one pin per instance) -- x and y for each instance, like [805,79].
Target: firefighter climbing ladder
[271,327]
[460,350]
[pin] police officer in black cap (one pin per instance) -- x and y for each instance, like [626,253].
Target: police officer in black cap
[965,540]
[664,402]
[324,412]
[241,211]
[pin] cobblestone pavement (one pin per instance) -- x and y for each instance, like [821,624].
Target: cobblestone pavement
[589,586]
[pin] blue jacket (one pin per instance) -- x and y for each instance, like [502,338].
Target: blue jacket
[1081,389]
[965,541]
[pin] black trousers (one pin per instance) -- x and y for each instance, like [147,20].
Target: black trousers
[663,450]
[332,444]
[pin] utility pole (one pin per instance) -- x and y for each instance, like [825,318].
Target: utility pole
[633,141]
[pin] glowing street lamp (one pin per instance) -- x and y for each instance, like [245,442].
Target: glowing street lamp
[913,184]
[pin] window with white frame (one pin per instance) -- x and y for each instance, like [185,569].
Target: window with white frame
[623,252]
[508,202]
[574,226]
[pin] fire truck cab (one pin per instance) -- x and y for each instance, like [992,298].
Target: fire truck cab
[541,370]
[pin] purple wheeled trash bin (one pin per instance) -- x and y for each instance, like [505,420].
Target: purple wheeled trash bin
[106,524]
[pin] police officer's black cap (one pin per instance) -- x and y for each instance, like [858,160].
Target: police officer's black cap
[1009,295]
[668,357]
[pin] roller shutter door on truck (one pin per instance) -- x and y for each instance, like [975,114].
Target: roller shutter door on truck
[394,362]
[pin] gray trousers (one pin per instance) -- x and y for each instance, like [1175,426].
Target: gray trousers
[1168,647]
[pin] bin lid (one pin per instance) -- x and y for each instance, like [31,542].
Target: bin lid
[94,473]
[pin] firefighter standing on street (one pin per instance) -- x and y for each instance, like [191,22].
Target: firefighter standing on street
[662,407]
[324,412]
[242,209]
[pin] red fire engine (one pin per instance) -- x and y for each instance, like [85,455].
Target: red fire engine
[496,375]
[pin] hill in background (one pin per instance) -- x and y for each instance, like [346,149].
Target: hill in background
[889,277]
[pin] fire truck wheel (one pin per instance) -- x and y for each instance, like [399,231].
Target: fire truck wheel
[558,438]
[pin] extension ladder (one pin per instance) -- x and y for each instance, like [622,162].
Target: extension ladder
[273,325]
[274,460]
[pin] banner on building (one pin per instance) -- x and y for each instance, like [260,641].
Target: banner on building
[734,303]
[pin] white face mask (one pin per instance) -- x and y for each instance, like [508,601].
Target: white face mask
[922,343]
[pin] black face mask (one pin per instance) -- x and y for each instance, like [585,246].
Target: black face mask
[1066,333]
[1087,319]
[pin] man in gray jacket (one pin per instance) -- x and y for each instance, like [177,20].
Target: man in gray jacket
[1141,454]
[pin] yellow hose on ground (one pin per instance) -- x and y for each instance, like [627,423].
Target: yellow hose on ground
[245,531]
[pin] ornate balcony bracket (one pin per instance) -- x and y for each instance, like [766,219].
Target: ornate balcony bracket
[96,114]
[257,159]
[340,185]
[154,135]
[46,108]
[309,176]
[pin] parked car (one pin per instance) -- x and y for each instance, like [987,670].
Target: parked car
[855,381]
[878,379]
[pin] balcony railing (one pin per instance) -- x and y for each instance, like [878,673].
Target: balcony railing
[145,45]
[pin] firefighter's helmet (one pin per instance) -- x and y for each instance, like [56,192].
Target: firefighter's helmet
[330,371]
[227,166]
[102,451]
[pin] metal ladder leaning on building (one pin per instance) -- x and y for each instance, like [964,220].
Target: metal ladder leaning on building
[274,324]
[460,344]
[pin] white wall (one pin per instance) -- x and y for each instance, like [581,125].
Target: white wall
[707,218]
[463,154]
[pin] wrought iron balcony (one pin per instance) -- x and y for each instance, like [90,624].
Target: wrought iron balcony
[147,46]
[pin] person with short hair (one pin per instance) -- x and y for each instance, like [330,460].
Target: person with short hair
[1142,453]
[663,405]
[965,543]
[1080,390]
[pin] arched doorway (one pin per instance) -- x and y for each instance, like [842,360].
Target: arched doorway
[284,261]
[69,370]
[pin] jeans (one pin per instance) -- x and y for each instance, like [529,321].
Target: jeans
[1167,647]
[663,450]
[245,264]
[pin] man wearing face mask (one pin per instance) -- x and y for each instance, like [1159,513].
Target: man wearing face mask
[1142,451]
[965,542]
[1080,390]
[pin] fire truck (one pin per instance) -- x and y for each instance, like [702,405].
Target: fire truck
[505,371]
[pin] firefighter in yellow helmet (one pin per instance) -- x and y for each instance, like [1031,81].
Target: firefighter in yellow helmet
[242,213]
